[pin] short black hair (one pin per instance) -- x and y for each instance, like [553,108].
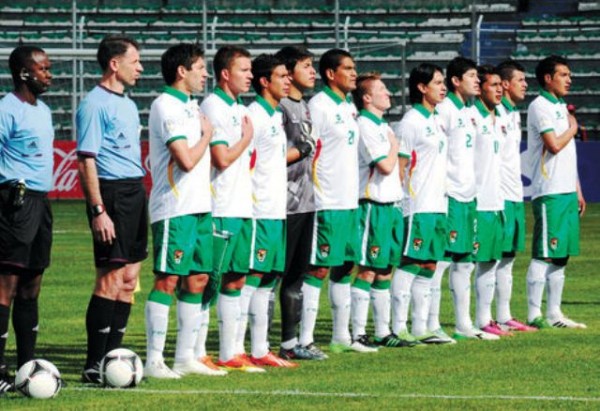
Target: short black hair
[422,74]
[457,67]
[291,55]
[21,58]
[225,56]
[183,54]
[331,59]
[507,69]
[263,66]
[548,66]
[112,46]
[484,71]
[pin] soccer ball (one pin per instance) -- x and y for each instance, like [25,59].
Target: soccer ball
[38,379]
[121,368]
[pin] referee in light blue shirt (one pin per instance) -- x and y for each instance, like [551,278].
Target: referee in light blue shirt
[26,161]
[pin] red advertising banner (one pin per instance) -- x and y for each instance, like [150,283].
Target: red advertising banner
[65,180]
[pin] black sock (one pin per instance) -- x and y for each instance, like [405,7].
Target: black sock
[118,325]
[25,323]
[97,323]
[4,316]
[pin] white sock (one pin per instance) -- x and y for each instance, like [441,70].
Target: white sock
[401,287]
[259,321]
[289,344]
[381,300]
[421,300]
[157,323]
[245,298]
[536,280]
[360,311]
[228,310]
[189,318]
[339,297]
[310,309]
[555,278]
[200,347]
[485,284]
[460,286]
[433,321]
[504,281]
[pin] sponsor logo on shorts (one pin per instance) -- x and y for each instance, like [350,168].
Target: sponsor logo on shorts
[554,243]
[453,235]
[375,251]
[475,247]
[261,254]
[177,256]
[417,243]
[324,250]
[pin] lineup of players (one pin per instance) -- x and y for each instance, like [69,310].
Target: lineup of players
[288,192]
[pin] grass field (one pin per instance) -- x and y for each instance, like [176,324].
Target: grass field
[554,369]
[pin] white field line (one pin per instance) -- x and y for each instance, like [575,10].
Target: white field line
[298,393]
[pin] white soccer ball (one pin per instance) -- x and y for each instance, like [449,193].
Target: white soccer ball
[38,379]
[121,368]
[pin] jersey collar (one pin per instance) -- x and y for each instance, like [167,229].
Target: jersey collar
[337,99]
[265,104]
[372,116]
[423,110]
[456,100]
[551,98]
[179,95]
[483,110]
[507,104]
[226,97]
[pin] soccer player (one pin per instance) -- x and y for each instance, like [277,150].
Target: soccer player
[111,171]
[26,165]
[514,87]
[381,224]
[180,213]
[423,150]
[457,123]
[231,149]
[558,202]
[489,234]
[335,179]
[271,82]
[300,200]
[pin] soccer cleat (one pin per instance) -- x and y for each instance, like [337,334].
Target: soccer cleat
[363,344]
[240,363]
[299,353]
[431,338]
[91,375]
[208,361]
[196,367]
[6,381]
[392,341]
[271,360]
[442,336]
[338,348]
[516,325]
[540,323]
[158,369]
[564,322]
[494,328]
[316,351]
[474,334]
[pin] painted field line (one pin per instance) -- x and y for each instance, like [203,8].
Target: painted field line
[299,393]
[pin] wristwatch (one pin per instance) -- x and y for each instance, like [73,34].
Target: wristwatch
[98,209]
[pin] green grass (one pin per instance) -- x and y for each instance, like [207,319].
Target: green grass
[554,369]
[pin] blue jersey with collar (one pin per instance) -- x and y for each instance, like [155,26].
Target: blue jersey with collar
[108,129]
[26,143]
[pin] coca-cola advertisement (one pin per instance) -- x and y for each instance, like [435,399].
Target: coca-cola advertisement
[65,180]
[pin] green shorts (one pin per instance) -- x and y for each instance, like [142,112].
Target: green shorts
[489,236]
[556,226]
[268,246]
[514,227]
[335,238]
[183,245]
[239,242]
[425,235]
[382,232]
[461,226]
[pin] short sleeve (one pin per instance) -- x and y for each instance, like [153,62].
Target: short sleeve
[90,128]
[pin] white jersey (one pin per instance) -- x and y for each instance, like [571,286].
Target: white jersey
[335,164]
[423,142]
[374,146]
[174,116]
[269,174]
[232,187]
[550,173]
[491,131]
[456,121]
[510,167]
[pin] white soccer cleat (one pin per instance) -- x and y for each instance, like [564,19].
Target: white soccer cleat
[158,369]
[564,322]
[196,367]
[474,334]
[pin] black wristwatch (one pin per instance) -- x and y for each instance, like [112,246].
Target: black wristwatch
[98,209]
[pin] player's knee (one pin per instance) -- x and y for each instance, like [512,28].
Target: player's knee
[195,283]
[319,272]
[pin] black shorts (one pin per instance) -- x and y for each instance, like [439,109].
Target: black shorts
[126,205]
[299,244]
[25,231]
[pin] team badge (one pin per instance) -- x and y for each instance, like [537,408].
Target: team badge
[177,256]
[375,251]
[475,248]
[261,254]
[453,235]
[417,243]
[554,243]
[324,250]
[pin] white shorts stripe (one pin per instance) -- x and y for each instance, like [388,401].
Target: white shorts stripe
[365,237]
[313,246]
[252,244]
[164,247]
[544,232]
[408,232]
